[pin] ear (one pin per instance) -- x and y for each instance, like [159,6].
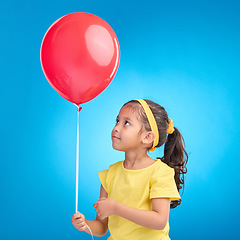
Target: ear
[148,137]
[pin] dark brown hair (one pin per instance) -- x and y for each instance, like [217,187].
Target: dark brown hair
[175,155]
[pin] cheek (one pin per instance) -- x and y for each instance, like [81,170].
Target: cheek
[131,139]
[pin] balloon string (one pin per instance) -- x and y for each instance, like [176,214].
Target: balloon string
[77,166]
[90,231]
[77,161]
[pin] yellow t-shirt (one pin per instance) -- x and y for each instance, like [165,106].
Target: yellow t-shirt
[136,188]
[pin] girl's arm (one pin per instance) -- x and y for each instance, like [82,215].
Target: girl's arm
[99,227]
[155,219]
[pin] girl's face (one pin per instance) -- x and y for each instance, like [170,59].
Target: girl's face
[127,134]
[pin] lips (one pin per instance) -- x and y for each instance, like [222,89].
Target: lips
[115,137]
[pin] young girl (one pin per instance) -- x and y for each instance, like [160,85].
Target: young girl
[137,193]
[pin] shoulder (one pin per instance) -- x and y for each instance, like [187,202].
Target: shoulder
[162,169]
[112,169]
[106,176]
[166,167]
[115,165]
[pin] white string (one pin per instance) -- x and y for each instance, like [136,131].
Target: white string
[77,161]
[77,168]
[90,231]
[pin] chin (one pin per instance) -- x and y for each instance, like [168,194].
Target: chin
[117,148]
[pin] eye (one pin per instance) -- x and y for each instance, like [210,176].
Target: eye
[117,121]
[127,123]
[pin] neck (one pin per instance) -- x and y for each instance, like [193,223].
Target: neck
[133,158]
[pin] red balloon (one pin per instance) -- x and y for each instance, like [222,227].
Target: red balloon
[80,56]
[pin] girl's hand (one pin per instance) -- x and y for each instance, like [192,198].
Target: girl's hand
[105,207]
[79,222]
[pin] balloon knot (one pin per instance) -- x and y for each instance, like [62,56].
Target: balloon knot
[79,108]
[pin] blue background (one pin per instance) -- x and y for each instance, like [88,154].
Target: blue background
[182,54]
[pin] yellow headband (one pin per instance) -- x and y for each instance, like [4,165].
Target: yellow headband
[152,122]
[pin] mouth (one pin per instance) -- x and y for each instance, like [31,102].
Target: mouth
[115,137]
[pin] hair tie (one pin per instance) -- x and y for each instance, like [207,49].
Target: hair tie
[170,126]
[152,122]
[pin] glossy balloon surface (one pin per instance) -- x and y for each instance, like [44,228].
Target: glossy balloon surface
[80,56]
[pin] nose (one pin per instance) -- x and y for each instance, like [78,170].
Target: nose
[116,128]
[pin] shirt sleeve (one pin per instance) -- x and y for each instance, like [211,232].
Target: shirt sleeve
[103,179]
[162,184]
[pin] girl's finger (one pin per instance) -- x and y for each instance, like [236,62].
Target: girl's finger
[82,226]
[101,199]
[76,215]
[82,216]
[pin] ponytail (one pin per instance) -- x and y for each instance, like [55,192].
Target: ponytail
[175,156]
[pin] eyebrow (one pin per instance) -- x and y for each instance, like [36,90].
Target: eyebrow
[129,119]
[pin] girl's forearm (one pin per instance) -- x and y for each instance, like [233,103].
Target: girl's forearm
[145,218]
[97,227]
